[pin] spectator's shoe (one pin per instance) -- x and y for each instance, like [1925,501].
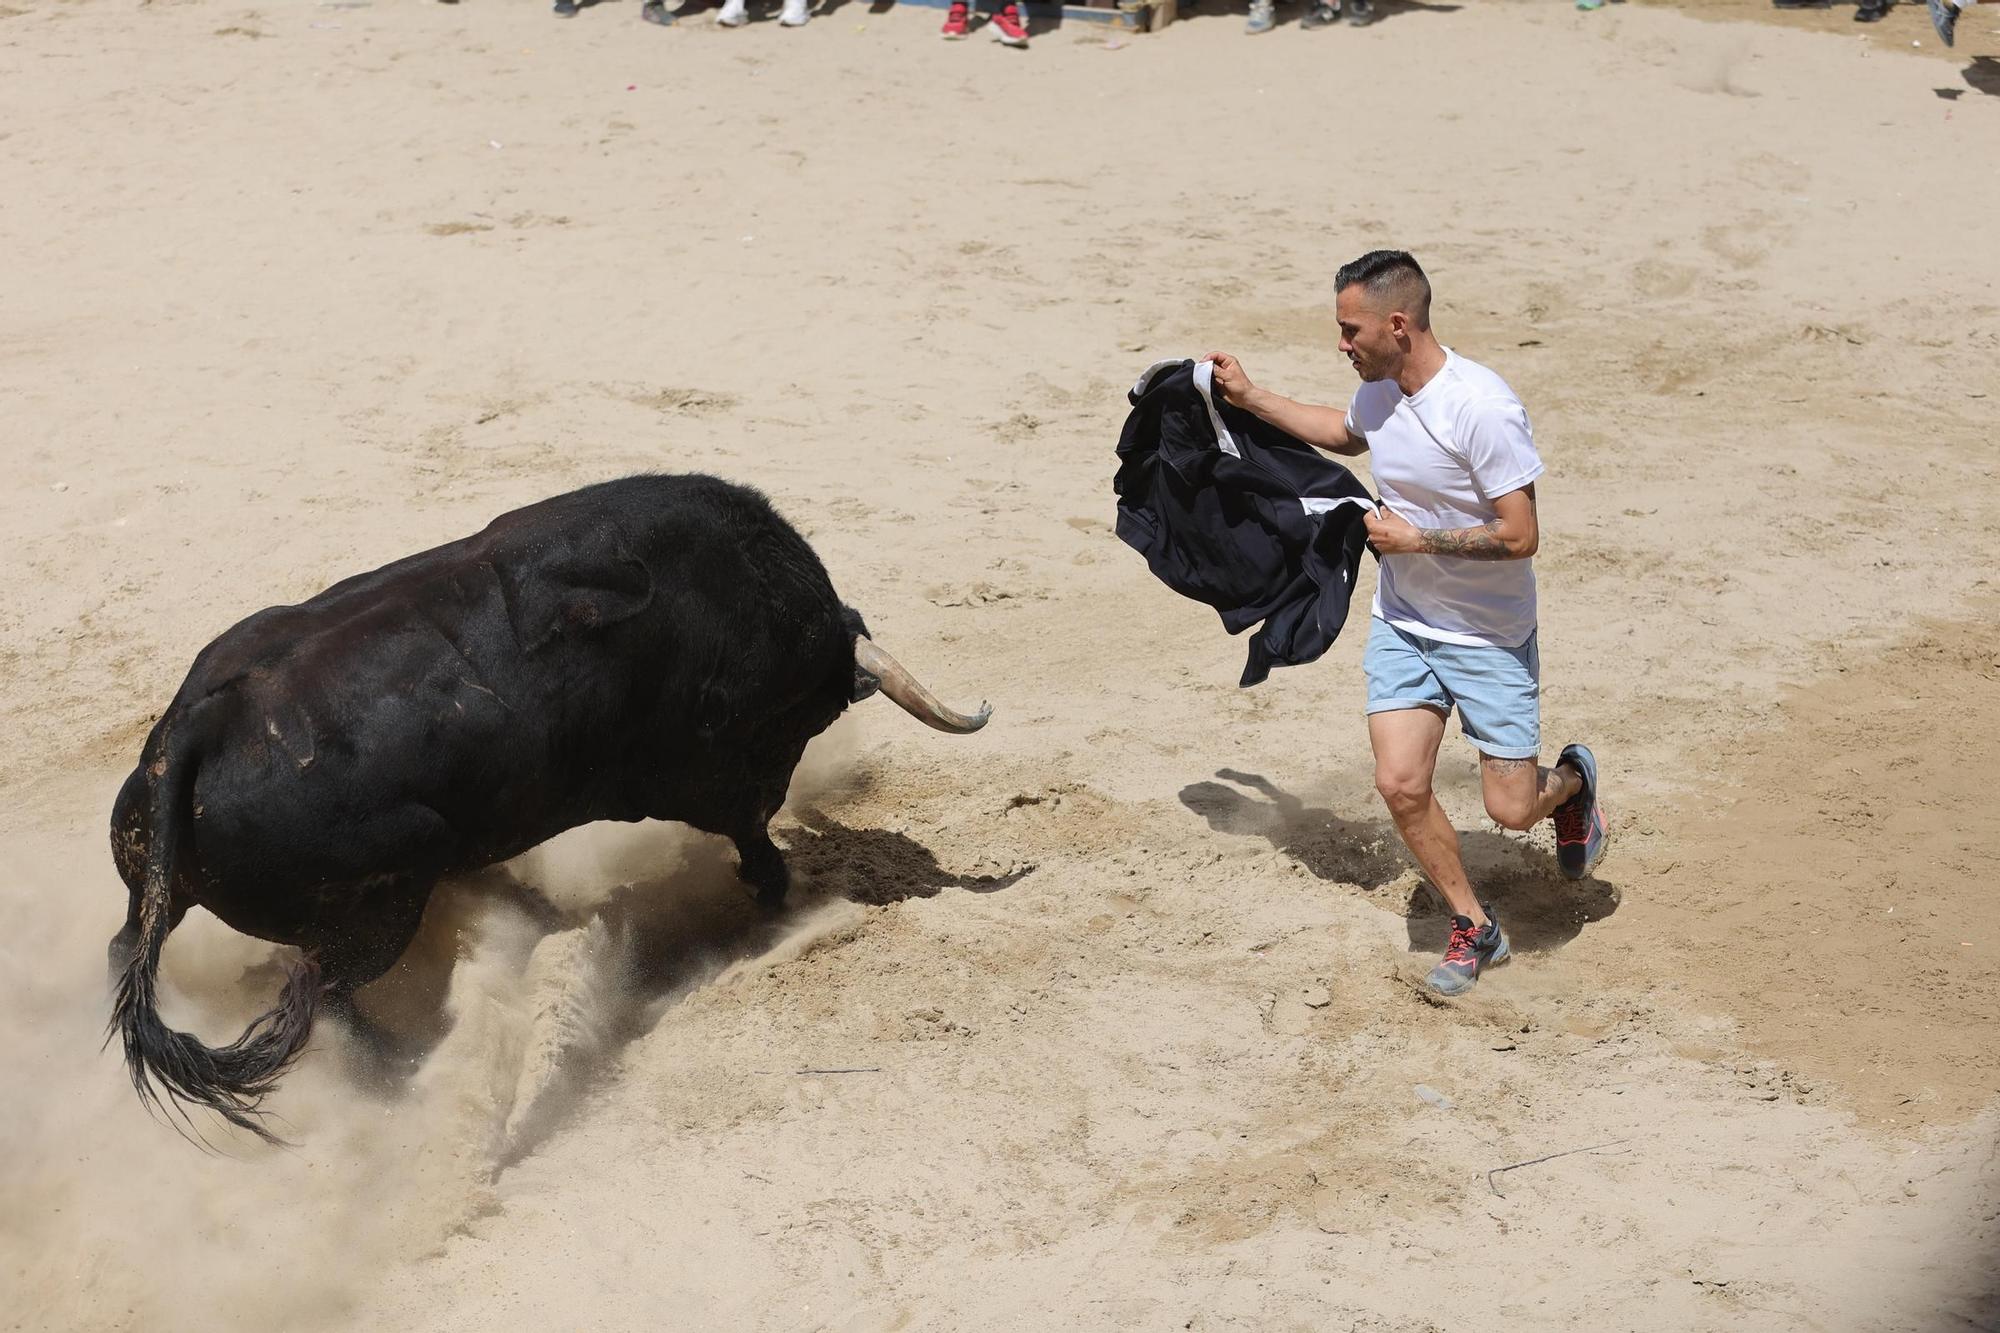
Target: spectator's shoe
[1469,951]
[955,28]
[1868,12]
[1580,832]
[736,13]
[565,9]
[1802,4]
[1944,17]
[653,11]
[795,14]
[1008,30]
[1360,13]
[1320,16]
[1263,17]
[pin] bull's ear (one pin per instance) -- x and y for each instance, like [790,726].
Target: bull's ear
[577,584]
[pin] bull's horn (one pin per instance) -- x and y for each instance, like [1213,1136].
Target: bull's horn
[912,697]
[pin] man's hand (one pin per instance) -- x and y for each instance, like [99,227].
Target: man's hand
[1390,533]
[1231,379]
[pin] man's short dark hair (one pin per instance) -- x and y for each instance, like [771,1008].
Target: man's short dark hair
[1393,277]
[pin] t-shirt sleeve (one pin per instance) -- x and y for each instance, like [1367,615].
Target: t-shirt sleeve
[1353,429]
[1499,447]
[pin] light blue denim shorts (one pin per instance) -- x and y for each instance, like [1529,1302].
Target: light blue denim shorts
[1497,691]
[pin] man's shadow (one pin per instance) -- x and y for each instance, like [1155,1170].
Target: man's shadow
[1983,75]
[1521,883]
[1346,851]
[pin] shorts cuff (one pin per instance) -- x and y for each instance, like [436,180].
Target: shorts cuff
[1505,751]
[1400,705]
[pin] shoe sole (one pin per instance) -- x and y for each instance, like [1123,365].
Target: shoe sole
[1018,43]
[1500,956]
[1496,960]
[1588,767]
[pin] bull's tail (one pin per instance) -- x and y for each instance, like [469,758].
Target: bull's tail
[231,1081]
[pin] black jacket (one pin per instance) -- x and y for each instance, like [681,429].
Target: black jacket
[1234,513]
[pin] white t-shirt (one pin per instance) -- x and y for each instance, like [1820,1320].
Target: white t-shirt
[1441,456]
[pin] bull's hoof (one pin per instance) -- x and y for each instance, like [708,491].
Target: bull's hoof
[762,866]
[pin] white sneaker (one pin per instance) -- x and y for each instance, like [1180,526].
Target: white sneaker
[734,14]
[797,13]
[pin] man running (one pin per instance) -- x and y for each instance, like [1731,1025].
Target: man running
[1454,615]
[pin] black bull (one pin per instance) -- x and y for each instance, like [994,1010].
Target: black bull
[660,647]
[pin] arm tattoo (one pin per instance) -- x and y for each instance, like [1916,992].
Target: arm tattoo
[1480,543]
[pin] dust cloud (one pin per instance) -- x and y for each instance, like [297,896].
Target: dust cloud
[512,1004]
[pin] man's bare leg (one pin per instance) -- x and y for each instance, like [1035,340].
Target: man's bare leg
[1520,794]
[1406,748]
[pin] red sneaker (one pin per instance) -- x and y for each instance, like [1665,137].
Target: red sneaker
[1008,29]
[954,22]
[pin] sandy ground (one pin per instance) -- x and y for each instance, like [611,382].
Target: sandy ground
[1126,981]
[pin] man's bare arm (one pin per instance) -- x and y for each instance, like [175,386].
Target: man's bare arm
[1322,427]
[1514,535]
[1481,543]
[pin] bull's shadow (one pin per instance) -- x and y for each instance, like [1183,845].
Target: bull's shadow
[875,866]
[641,945]
[1519,881]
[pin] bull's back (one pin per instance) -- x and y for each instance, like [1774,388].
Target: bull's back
[457,706]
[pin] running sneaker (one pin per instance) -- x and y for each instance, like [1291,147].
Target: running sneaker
[1470,949]
[795,14]
[1580,831]
[1944,17]
[1320,16]
[955,22]
[1360,13]
[735,13]
[1263,17]
[1008,30]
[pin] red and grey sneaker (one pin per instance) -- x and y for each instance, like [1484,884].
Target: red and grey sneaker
[1008,29]
[1944,17]
[955,22]
[1470,950]
[1580,831]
